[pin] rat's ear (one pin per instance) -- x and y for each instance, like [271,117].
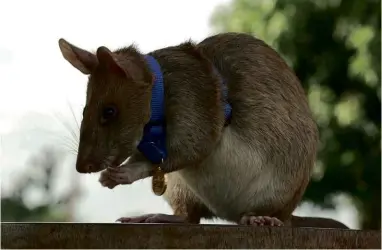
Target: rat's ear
[81,59]
[110,61]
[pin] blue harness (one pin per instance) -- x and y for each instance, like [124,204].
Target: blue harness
[153,143]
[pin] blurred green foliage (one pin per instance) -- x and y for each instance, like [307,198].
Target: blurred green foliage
[334,47]
[14,206]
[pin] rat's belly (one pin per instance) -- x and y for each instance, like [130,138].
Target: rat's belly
[233,180]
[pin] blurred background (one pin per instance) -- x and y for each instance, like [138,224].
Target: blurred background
[334,47]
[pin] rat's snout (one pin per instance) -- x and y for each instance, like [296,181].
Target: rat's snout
[88,166]
[85,167]
[87,162]
[90,155]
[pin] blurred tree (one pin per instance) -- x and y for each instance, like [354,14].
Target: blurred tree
[14,207]
[334,47]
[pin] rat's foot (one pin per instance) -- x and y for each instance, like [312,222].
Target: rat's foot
[153,218]
[250,219]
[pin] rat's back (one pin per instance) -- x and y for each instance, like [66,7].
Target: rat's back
[270,108]
[269,149]
[262,87]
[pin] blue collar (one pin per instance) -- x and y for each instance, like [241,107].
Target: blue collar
[153,143]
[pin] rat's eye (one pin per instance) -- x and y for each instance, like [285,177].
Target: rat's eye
[108,113]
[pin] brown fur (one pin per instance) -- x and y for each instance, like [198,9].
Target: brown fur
[260,163]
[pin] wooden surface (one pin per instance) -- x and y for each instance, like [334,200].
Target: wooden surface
[107,236]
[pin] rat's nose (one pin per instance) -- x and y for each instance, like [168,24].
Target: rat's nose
[85,168]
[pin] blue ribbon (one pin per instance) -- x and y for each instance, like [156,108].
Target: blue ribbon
[153,143]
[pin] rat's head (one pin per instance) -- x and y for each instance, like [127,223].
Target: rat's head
[117,104]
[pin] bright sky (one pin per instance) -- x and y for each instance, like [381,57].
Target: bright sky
[36,83]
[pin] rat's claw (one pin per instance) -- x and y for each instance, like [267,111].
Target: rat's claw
[253,220]
[109,184]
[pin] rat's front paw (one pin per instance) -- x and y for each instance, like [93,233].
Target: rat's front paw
[106,181]
[129,173]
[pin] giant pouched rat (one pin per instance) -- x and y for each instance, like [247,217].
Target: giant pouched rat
[249,166]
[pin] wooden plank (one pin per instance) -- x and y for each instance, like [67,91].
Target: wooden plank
[82,235]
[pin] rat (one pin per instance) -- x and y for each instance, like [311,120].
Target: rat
[237,139]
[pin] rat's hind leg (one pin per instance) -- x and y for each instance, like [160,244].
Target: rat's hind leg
[186,206]
[184,202]
[279,217]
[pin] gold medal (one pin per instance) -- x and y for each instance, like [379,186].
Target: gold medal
[159,184]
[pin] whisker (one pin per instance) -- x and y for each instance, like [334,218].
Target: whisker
[71,140]
[69,143]
[74,152]
[66,141]
[74,117]
[69,146]
[67,127]
[64,124]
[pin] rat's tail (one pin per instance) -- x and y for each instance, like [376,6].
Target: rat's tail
[316,222]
